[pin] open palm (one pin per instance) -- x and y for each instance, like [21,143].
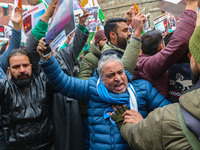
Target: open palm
[16,19]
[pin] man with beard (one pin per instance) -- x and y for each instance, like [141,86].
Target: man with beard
[25,105]
[120,39]
[25,98]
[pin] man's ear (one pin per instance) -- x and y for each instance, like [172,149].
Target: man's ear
[160,47]
[97,45]
[113,35]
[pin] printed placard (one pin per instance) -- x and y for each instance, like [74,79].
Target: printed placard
[91,22]
[62,23]
[32,16]
[161,23]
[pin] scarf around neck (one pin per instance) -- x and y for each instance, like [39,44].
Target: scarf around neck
[105,96]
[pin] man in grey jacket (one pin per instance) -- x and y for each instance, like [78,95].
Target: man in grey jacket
[65,111]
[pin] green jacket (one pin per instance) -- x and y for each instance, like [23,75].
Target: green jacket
[89,63]
[161,129]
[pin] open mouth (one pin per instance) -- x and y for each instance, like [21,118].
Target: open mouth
[119,87]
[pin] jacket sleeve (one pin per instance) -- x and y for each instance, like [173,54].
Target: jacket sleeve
[2,89]
[176,48]
[36,34]
[155,99]
[69,54]
[87,67]
[61,82]
[145,134]
[31,47]
[40,30]
[14,44]
[131,54]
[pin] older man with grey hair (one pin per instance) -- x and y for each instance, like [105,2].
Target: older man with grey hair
[115,86]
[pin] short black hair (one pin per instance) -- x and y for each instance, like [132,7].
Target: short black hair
[19,51]
[111,25]
[150,42]
[167,38]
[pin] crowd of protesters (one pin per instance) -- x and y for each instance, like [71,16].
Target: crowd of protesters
[119,99]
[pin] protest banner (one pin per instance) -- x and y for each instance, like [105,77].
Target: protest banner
[62,23]
[175,7]
[32,16]
[77,8]
[91,22]
[161,23]
[47,1]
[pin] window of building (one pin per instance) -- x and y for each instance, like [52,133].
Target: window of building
[5,11]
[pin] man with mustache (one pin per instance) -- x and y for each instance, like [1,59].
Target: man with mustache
[120,39]
[111,84]
[25,98]
[117,32]
[26,120]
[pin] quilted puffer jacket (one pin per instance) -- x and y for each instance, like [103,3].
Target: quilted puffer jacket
[103,134]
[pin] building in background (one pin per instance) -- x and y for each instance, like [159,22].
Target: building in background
[118,8]
[6,10]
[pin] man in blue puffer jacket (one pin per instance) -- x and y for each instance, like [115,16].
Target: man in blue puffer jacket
[113,86]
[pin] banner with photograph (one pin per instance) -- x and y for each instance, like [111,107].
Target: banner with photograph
[62,23]
[161,23]
[32,16]
[91,22]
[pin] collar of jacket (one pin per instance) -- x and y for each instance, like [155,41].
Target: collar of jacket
[109,45]
[95,50]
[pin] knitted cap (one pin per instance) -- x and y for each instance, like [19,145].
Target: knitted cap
[99,35]
[194,44]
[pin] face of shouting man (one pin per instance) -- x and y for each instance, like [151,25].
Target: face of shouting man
[114,77]
[20,69]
